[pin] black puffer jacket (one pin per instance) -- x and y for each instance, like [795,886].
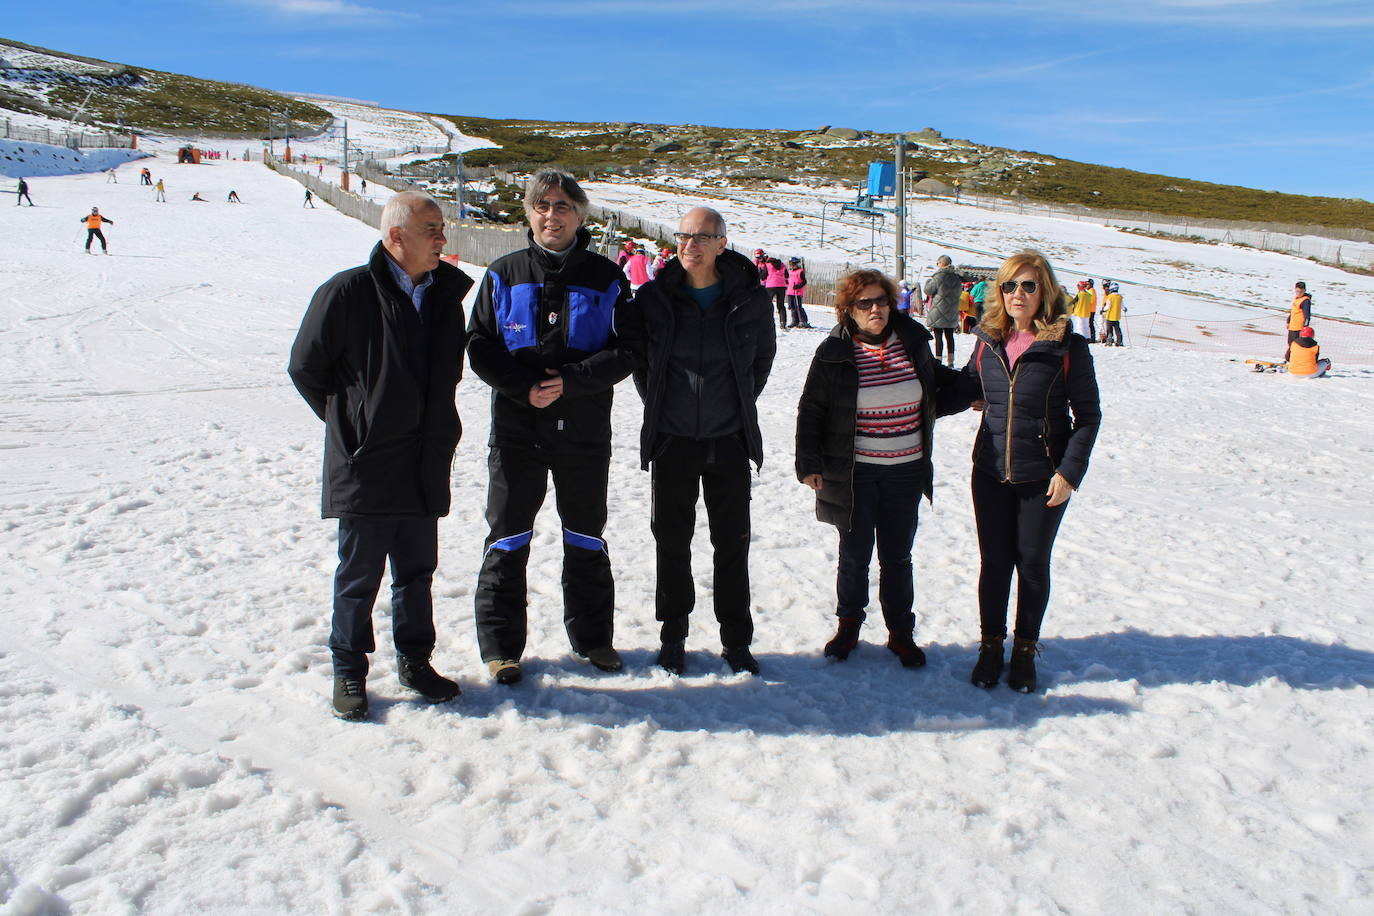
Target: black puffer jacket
[533,313]
[828,407]
[1026,433]
[648,332]
[383,382]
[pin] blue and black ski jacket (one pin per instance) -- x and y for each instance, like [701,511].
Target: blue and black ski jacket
[534,313]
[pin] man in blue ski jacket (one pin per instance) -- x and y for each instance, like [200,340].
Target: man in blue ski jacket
[542,335]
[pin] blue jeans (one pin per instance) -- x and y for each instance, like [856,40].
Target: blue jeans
[886,499]
[365,545]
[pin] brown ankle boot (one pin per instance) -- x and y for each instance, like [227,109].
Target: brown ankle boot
[1021,672]
[845,640]
[988,671]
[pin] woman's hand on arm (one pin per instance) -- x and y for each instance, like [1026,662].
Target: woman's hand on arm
[813,481]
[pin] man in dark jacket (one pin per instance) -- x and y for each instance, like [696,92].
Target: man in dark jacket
[378,357]
[543,336]
[701,337]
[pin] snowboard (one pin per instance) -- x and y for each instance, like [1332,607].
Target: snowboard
[1265,365]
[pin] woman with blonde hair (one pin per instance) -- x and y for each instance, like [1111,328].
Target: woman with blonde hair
[1031,371]
[864,435]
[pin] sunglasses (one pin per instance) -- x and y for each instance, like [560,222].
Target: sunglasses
[1027,286]
[864,305]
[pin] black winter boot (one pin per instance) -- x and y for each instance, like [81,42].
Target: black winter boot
[672,656]
[740,660]
[988,671]
[350,698]
[1021,672]
[417,674]
[845,640]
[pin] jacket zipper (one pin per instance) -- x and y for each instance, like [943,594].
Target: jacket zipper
[1011,398]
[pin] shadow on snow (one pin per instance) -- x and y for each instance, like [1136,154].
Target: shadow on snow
[870,694]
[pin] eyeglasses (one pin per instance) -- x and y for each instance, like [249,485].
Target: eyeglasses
[864,305]
[560,207]
[1027,286]
[701,238]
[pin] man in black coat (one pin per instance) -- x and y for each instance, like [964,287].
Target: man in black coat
[378,358]
[701,337]
[543,336]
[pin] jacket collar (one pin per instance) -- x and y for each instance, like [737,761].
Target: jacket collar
[737,273]
[576,251]
[839,344]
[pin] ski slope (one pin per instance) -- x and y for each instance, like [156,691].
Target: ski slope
[1202,742]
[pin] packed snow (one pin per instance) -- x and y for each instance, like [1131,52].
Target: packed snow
[1202,741]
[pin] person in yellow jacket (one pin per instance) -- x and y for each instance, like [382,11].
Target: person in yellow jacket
[1299,314]
[1111,314]
[93,222]
[968,313]
[1304,356]
[1083,309]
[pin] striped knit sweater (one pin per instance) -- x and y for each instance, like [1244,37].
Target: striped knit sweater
[888,423]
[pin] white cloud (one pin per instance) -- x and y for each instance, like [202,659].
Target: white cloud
[329,9]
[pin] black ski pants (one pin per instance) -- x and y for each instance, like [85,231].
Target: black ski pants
[778,295]
[719,469]
[95,234]
[365,545]
[1114,332]
[944,343]
[519,480]
[1016,532]
[886,499]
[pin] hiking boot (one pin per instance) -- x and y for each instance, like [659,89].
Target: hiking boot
[603,659]
[505,670]
[1021,671]
[740,659]
[419,676]
[988,670]
[845,640]
[350,698]
[906,650]
[672,657]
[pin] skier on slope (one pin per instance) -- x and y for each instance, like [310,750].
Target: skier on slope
[1304,356]
[93,222]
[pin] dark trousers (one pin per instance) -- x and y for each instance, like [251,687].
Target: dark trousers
[719,469]
[1288,347]
[779,293]
[1114,332]
[1015,532]
[365,545]
[519,480]
[944,337]
[795,311]
[21,197]
[95,234]
[886,499]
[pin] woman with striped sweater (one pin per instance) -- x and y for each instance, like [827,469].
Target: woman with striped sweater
[864,434]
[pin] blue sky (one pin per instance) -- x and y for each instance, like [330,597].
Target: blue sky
[1273,95]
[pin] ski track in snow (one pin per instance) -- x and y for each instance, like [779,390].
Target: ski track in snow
[1202,742]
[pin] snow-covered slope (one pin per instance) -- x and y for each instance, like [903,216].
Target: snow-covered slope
[1203,743]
